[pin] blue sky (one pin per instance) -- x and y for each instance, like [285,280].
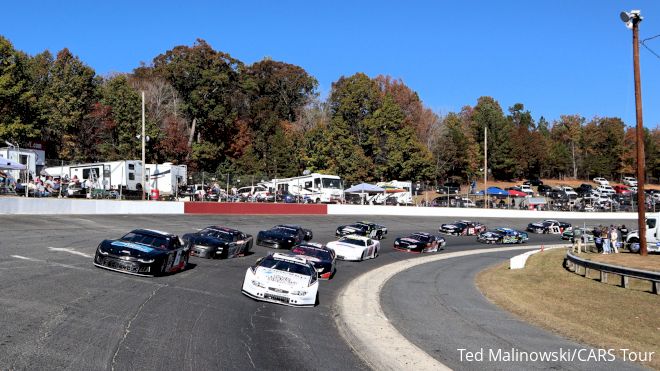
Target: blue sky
[556,57]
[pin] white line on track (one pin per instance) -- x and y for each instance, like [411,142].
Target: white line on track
[363,324]
[24,258]
[70,251]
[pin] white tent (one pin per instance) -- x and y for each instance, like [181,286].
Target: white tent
[6,164]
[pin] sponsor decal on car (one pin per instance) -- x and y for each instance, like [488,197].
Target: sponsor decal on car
[133,246]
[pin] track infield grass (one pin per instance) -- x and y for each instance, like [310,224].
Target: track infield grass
[585,310]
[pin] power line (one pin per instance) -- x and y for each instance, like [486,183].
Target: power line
[649,49]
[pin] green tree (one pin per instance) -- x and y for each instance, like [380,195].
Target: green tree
[16,98]
[68,98]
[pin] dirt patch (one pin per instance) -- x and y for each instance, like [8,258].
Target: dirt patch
[578,308]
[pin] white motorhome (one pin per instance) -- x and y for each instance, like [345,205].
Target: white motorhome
[167,178]
[27,157]
[315,187]
[111,175]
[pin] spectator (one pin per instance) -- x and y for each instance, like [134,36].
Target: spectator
[598,241]
[577,240]
[623,231]
[605,235]
[614,237]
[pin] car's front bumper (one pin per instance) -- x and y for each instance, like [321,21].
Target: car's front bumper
[278,297]
[123,266]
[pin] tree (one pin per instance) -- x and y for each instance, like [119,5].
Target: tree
[488,114]
[16,98]
[68,98]
[208,83]
[125,112]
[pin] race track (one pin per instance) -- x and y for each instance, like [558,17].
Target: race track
[61,312]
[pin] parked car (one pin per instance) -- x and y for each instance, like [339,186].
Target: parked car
[605,190]
[601,181]
[584,188]
[621,189]
[449,188]
[544,189]
[570,192]
[534,181]
[630,181]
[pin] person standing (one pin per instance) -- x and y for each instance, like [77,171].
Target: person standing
[606,240]
[598,240]
[614,237]
[577,240]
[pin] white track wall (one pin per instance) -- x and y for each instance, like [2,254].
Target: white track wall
[49,206]
[471,212]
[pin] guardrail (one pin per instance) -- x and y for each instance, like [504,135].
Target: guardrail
[573,263]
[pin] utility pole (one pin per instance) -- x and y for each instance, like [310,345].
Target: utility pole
[144,166]
[486,167]
[632,20]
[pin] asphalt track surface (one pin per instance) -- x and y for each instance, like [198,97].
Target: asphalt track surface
[61,312]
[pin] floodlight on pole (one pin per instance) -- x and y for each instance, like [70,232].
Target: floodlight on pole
[632,20]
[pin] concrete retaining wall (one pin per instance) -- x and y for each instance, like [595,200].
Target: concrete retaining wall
[248,208]
[471,212]
[48,206]
[21,205]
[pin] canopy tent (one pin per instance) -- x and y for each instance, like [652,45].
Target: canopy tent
[365,188]
[493,191]
[6,164]
[514,193]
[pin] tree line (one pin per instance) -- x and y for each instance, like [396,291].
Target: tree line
[215,113]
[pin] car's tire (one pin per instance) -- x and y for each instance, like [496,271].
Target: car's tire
[376,253]
[364,255]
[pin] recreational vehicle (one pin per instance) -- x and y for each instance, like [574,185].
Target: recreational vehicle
[313,187]
[111,175]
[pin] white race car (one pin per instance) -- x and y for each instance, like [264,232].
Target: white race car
[354,247]
[283,279]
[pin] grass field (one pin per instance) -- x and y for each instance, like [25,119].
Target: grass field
[584,310]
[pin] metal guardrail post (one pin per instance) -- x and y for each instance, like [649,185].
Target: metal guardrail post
[572,261]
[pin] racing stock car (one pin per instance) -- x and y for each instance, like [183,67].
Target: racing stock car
[283,236]
[355,248]
[283,279]
[463,228]
[143,252]
[366,229]
[218,242]
[419,242]
[322,258]
[548,226]
[503,236]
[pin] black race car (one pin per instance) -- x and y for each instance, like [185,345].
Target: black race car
[283,236]
[143,252]
[548,226]
[503,235]
[218,242]
[420,242]
[366,229]
[462,228]
[322,258]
